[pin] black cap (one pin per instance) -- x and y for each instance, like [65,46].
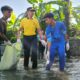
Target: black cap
[31,9]
[6,8]
[48,15]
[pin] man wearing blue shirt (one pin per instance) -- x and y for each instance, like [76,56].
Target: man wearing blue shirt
[57,31]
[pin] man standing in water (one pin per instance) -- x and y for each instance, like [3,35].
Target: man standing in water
[29,25]
[6,11]
[57,31]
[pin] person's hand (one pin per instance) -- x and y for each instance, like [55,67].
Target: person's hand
[18,40]
[44,43]
[7,43]
[18,34]
[45,38]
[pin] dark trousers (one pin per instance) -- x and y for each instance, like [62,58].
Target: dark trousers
[41,50]
[28,42]
[68,54]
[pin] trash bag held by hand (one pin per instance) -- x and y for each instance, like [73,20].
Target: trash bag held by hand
[8,43]
[10,56]
[67,46]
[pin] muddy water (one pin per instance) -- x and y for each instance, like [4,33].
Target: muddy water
[72,72]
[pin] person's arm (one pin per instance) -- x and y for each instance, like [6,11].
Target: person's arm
[20,29]
[2,35]
[40,33]
[64,31]
[48,32]
[18,34]
[39,30]
[49,38]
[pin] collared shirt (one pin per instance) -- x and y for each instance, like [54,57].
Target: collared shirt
[56,32]
[29,26]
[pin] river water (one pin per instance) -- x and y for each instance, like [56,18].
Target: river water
[72,72]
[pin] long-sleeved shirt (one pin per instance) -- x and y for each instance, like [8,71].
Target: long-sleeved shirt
[3,24]
[56,32]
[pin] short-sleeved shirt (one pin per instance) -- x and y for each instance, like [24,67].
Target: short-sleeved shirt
[29,26]
[3,25]
[57,32]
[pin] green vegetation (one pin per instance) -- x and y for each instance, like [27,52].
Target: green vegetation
[65,12]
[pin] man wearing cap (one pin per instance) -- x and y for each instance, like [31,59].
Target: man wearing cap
[6,11]
[29,26]
[57,31]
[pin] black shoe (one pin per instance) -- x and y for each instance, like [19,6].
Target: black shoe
[34,65]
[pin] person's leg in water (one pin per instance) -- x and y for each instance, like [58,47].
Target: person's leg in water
[26,45]
[52,55]
[41,50]
[34,54]
[61,52]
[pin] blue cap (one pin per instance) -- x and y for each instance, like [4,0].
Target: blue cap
[48,15]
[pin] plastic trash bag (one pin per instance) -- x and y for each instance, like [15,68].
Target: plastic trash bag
[44,43]
[11,56]
[47,57]
[67,46]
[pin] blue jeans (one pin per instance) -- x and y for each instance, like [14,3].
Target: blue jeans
[60,46]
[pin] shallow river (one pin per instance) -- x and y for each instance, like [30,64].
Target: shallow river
[72,72]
